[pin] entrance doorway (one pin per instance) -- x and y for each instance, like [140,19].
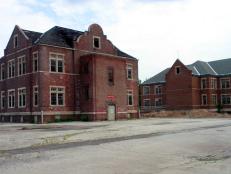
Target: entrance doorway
[111,112]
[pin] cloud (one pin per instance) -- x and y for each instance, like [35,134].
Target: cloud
[154,31]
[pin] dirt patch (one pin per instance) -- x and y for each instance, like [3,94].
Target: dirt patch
[211,158]
[197,113]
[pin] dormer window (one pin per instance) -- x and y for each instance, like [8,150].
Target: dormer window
[96,42]
[15,41]
[177,70]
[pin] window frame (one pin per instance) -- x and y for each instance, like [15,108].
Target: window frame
[157,100]
[3,97]
[21,65]
[130,94]
[57,96]
[213,100]
[176,70]
[149,102]
[202,100]
[22,105]
[99,42]
[229,99]
[148,90]
[15,41]
[57,58]
[129,67]
[8,98]
[159,89]
[11,68]
[33,64]
[3,71]
[227,79]
[35,92]
[203,79]
[213,83]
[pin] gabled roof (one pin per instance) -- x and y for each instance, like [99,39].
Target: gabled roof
[198,68]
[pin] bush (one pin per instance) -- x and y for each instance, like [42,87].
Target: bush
[219,108]
[84,118]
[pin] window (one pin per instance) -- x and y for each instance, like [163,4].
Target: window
[214,99]
[146,90]
[129,72]
[35,61]
[3,76]
[158,90]
[35,96]
[86,92]
[213,82]
[16,41]
[225,83]
[57,96]
[146,102]
[204,99]
[3,99]
[225,99]
[129,98]
[11,98]
[203,83]
[177,69]
[110,76]
[21,65]
[11,68]
[56,63]
[96,42]
[158,102]
[21,97]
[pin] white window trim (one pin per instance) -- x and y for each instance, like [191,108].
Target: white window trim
[10,90]
[12,60]
[229,97]
[21,58]
[22,88]
[202,100]
[148,90]
[158,86]
[1,99]
[205,83]
[56,60]
[36,86]
[3,64]
[129,66]
[128,97]
[212,98]
[14,41]
[64,94]
[213,79]
[35,58]
[226,78]
[176,70]
[97,37]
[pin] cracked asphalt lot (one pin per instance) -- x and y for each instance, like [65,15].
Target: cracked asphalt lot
[146,146]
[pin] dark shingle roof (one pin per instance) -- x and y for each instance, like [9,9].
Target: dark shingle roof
[63,37]
[32,35]
[123,54]
[59,36]
[222,67]
[199,68]
[159,78]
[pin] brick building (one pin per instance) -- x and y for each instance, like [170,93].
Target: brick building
[201,85]
[66,74]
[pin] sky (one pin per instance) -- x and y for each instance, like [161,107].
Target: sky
[156,32]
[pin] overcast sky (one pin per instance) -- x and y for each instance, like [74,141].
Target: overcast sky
[157,32]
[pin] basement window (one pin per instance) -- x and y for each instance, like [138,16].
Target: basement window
[96,42]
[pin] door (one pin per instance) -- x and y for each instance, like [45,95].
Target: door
[111,112]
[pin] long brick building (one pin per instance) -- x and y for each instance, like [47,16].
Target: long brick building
[201,85]
[66,74]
